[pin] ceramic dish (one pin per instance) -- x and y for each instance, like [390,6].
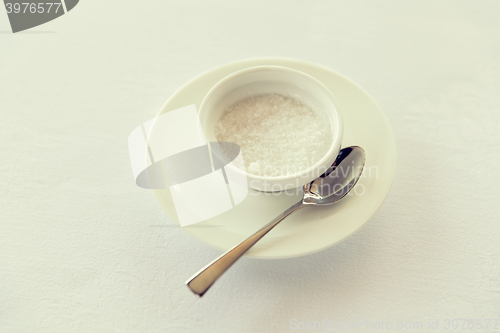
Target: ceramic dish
[312,229]
[260,80]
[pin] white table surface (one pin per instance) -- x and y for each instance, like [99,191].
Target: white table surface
[83,249]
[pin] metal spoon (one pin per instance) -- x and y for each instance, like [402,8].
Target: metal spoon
[329,188]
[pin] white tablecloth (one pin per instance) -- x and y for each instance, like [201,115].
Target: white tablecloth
[83,249]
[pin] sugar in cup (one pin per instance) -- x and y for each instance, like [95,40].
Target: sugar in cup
[287,124]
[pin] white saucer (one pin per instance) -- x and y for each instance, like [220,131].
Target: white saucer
[312,229]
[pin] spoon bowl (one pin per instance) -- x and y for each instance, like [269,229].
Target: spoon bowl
[338,180]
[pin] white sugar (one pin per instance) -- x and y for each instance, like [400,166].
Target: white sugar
[278,135]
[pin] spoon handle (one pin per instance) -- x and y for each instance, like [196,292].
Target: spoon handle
[204,279]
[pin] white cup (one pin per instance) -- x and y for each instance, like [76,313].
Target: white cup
[274,80]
